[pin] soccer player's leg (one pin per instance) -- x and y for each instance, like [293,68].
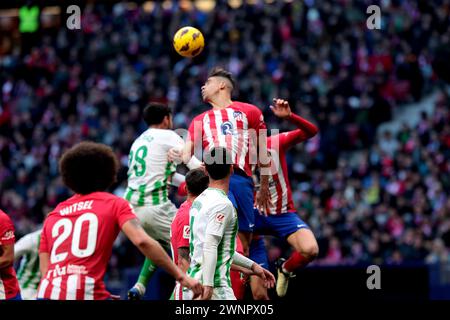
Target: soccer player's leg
[241,195]
[297,233]
[137,292]
[258,254]
[28,293]
[156,222]
[17,297]
[223,293]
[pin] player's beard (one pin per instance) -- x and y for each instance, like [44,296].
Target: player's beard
[204,97]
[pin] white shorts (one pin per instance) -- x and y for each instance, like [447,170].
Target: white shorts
[219,293]
[177,292]
[28,294]
[156,221]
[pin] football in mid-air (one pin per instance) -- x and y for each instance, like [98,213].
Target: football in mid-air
[188,42]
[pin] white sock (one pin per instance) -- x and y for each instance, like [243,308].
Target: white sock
[140,288]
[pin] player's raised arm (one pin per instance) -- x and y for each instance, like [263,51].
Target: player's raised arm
[263,201]
[177,149]
[153,251]
[305,131]
[210,248]
[188,151]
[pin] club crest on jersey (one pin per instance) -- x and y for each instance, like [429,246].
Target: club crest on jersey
[237,115]
[227,128]
[220,217]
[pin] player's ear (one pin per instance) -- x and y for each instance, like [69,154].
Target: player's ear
[167,120]
[222,85]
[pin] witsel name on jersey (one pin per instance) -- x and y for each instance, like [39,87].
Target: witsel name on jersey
[83,205]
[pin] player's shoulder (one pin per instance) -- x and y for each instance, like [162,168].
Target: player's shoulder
[184,208]
[183,212]
[197,121]
[217,198]
[202,200]
[202,115]
[145,137]
[245,107]
[165,133]
[186,205]
[99,198]
[110,198]
[4,218]
[142,135]
[59,207]
[160,136]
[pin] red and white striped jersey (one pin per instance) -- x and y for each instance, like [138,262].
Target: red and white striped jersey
[179,230]
[78,236]
[9,286]
[277,145]
[236,128]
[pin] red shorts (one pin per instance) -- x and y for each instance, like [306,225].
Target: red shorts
[238,280]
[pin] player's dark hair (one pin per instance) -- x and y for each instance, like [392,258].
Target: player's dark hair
[88,167]
[196,181]
[220,72]
[155,112]
[218,162]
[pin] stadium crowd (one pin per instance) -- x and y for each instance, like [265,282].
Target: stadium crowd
[392,206]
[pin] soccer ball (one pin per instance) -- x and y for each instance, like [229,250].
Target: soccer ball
[188,42]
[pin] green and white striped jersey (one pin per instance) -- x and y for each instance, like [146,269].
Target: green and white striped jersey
[213,213]
[149,171]
[28,248]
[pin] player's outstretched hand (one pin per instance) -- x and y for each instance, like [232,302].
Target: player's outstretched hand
[192,284]
[265,275]
[263,201]
[207,293]
[175,155]
[281,108]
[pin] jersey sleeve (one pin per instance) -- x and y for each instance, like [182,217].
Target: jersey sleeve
[7,236]
[43,244]
[174,140]
[306,130]
[183,232]
[124,212]
[256,119]
[217,220]
[195,128]
[291,138]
